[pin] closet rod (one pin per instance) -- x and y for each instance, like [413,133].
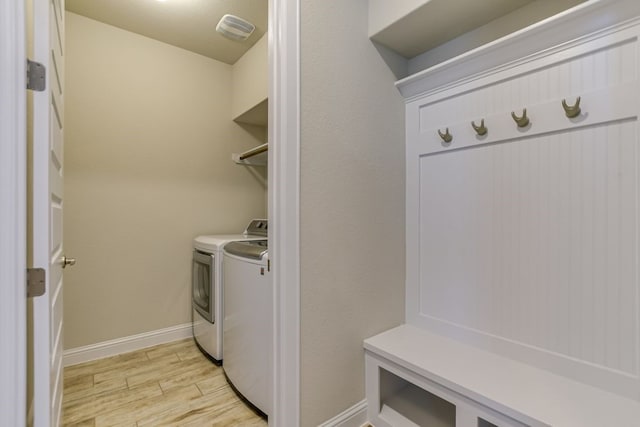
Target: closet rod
[254,151]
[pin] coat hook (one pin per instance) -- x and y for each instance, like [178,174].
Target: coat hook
[521,121]
[571,110]
[446,137]
[480,130]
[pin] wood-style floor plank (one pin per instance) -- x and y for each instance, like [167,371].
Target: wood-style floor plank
[211,405]
[170,385]
[177,400]
[84,408]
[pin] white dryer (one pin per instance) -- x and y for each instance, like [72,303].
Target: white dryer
[247,320]
[206,289]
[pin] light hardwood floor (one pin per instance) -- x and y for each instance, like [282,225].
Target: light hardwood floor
[170,384]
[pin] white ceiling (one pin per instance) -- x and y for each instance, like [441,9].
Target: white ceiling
[189,24]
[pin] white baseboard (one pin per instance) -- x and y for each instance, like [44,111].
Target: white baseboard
[104,349]
[355,416]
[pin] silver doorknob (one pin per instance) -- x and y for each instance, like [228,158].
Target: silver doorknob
[67,261]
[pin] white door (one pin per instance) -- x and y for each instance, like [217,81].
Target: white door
[47,203]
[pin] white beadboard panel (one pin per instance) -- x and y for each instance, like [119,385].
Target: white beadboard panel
[534,242]
[525,241]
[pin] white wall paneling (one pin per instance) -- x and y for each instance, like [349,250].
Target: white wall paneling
[525,241]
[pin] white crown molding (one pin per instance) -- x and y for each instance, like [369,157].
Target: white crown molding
[589,17]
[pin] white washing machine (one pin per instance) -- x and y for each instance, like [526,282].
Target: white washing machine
[247,322]
[206,289]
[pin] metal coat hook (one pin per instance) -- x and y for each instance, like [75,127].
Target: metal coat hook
[571,110]
[480,130]
[446,137]
[522,121]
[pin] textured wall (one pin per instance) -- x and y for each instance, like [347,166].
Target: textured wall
[381,12]
[147,167]
[352,204]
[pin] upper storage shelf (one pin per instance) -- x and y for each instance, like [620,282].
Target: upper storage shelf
[250,85]
[563,27]
[411,27]
[420,34]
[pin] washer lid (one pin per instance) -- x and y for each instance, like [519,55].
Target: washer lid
[217,241]
[254,249]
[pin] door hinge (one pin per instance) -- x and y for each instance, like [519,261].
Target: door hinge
[36,76]
[36,282]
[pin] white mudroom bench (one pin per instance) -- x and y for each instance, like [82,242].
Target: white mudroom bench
[522,233]
[417,378]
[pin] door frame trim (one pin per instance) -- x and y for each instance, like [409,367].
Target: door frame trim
[284,208]
[13,213]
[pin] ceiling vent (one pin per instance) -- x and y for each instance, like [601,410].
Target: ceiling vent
[235,28]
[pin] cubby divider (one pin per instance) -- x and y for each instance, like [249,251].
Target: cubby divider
[414,403]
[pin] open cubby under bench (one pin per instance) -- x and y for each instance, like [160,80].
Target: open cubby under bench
[417,378]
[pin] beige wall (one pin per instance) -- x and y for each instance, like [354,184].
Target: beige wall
[250,83]
[352,204]
[382,12]
[148,166]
